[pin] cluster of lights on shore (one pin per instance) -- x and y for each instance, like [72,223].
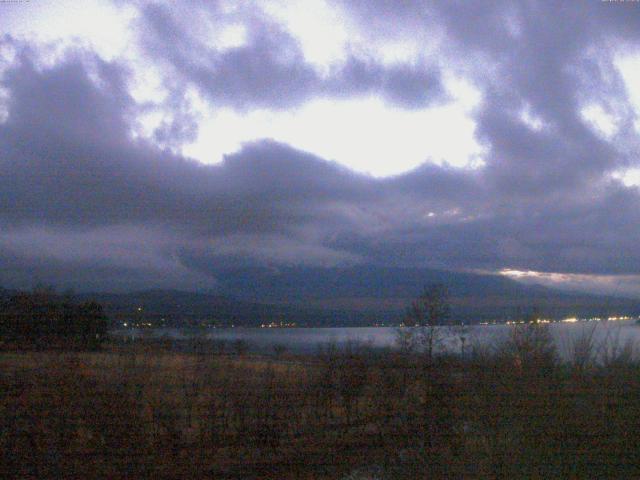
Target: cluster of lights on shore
[569,320]
[279,325]
[283,324]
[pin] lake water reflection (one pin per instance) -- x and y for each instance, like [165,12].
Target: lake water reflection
[618,333]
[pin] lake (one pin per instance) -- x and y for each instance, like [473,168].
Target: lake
[304,340]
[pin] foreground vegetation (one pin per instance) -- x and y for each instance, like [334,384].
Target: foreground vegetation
[145,411]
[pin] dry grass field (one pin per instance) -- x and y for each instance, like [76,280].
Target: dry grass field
[142,411]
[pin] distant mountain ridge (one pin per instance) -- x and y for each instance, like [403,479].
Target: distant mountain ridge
[362,295]
[305,283]
[366,295]
[474,297]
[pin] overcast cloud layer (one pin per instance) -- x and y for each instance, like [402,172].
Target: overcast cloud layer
[91,197]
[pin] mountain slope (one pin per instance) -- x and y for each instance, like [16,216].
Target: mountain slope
[391,286]
[351,296]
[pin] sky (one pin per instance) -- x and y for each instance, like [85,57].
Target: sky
[145,144]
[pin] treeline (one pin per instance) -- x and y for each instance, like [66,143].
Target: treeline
[44,319]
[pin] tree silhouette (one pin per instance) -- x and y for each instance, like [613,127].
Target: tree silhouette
[428,312]
[42,318]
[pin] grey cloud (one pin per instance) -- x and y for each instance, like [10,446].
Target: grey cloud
[534,54]
[405,85]
[180,126]
[68,159]
[69,164]
[65,103]
[544,201]
[28,271]
[271,71]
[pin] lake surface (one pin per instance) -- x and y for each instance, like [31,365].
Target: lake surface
[605,335]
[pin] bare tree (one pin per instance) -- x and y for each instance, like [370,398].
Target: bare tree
[581,348]
[615,351]
[406,339]
[430,311]
[530,347]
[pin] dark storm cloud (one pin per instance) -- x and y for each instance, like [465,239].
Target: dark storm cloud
[70,166]
[271,71]
[180,127]
[26,270]
[407,86]
[72,174]
[68,159]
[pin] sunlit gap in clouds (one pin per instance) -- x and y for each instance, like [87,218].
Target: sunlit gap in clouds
[365,134]
[623,285]
[328,35]
[630,176]
[628,66]
[322,31]
[102,26]
[603,122]
[531,119]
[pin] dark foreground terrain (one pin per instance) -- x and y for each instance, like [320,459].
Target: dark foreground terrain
[144,411]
